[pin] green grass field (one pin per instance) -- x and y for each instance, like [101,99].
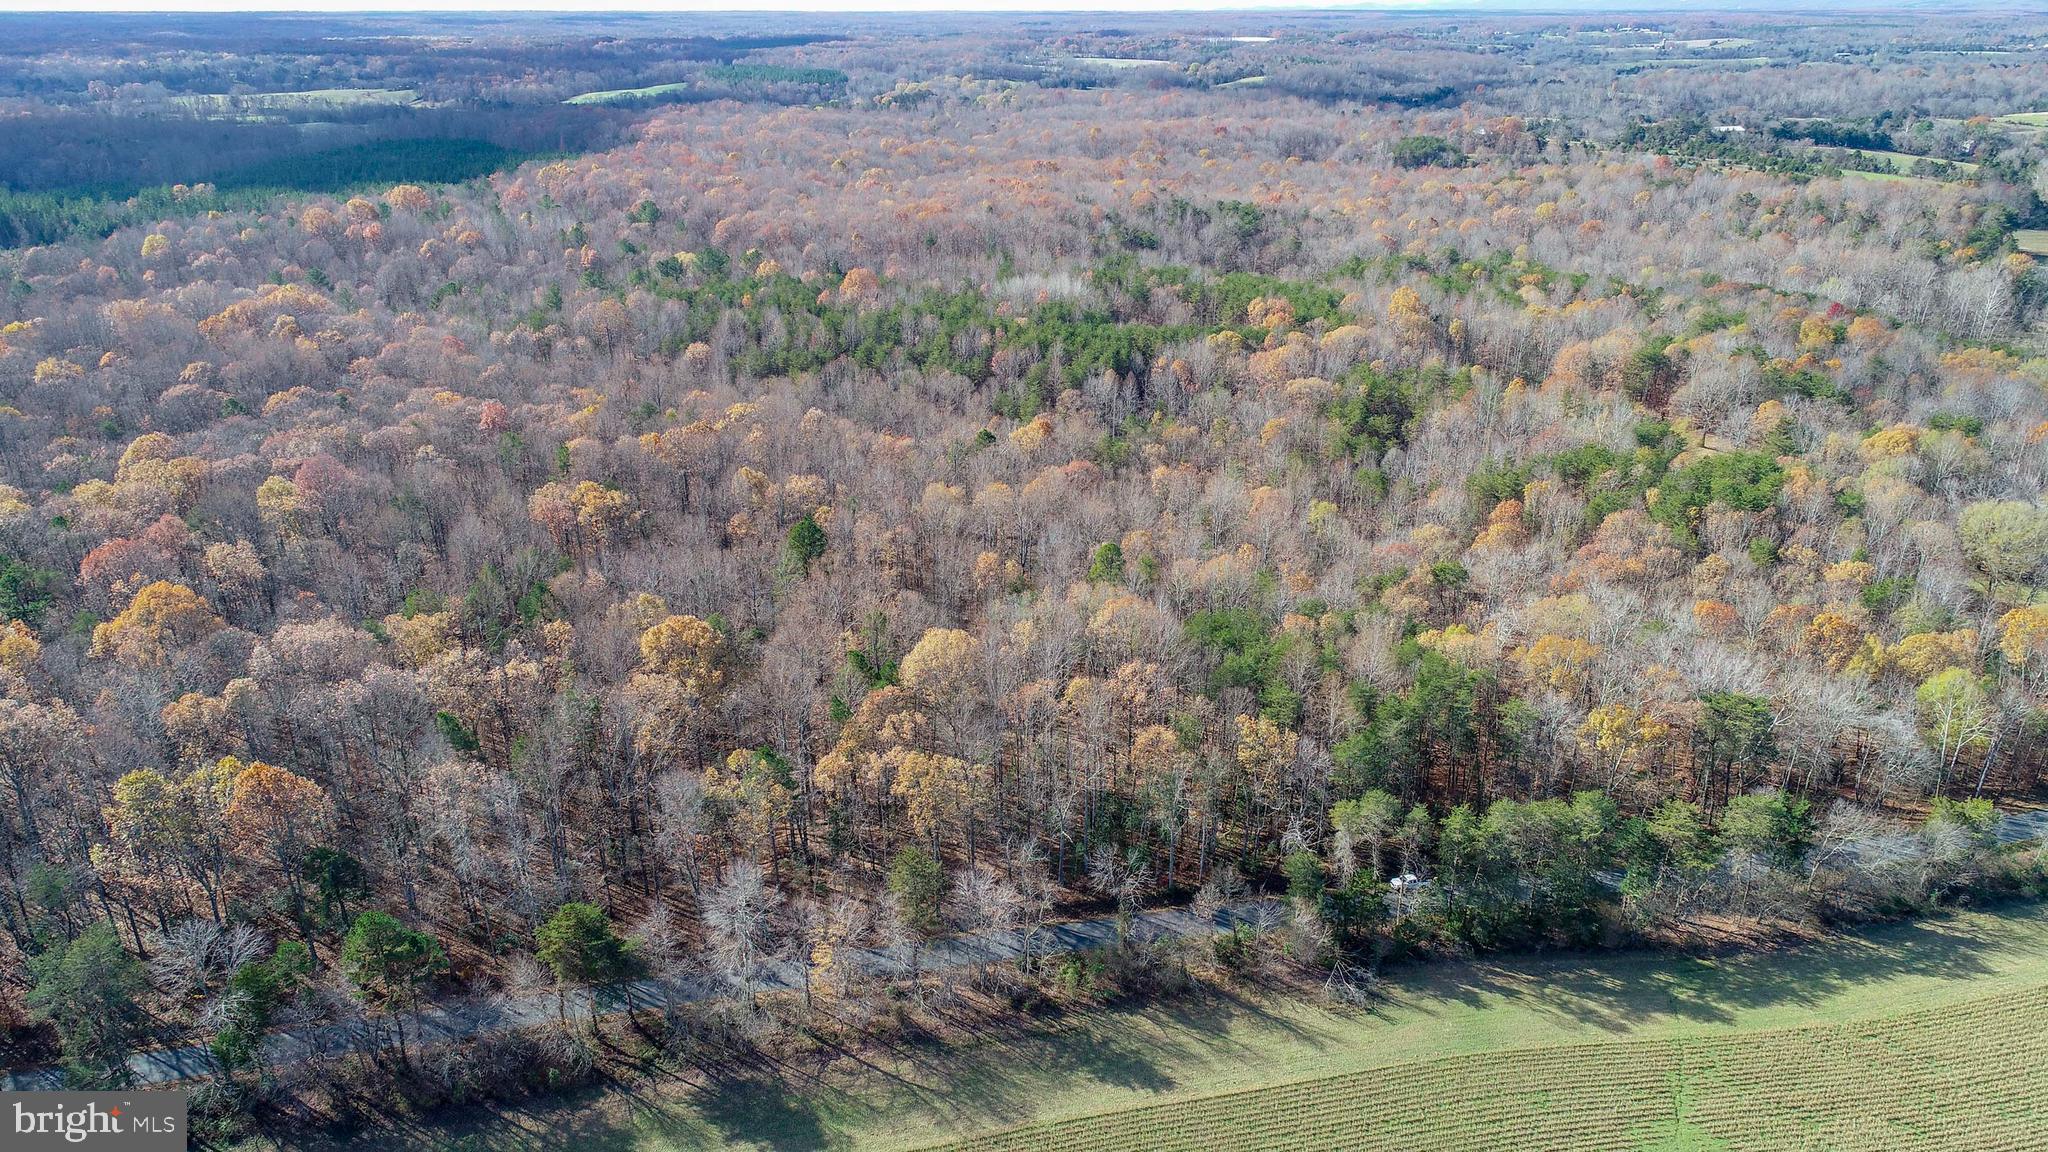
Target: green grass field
[735,74]
[2034,240]
[1967,1076]
[620,94]
[1927,1073]
[1910,1032]
[1903,162]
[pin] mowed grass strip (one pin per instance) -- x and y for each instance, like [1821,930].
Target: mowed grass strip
[1970,1076]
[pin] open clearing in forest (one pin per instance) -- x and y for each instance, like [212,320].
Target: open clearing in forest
[1903,162]
[1887,177]
[1121,61]
[2031,240]
[287,101]
[620,94]
[1907,1032]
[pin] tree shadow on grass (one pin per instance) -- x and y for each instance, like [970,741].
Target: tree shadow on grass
[1119,1063]
[1134,1050]
[1200,1017]
[569,1119]
[1621,993]
[764,1110]
[1004,1076]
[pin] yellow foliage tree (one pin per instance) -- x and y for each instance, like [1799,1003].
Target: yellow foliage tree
[1264,751]
[886,719]
[408,198]
[583,517]
[162,618]
[416,640]
[934,788]
[942,663]
[1622,736]
[1028,436]
[1561,663]
[684,649]
[1406,312]
[755,787]
[278,503]
[2023,641]
[19,648]
[1834,637]
[1890,443]
[1923,654]
[859,285]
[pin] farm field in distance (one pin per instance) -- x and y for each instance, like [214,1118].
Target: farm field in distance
[618,94]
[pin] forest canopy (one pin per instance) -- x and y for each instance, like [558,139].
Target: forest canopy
[898,482]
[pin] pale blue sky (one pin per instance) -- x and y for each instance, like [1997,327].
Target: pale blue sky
[371,6]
